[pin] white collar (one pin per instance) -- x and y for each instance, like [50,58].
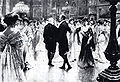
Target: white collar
[61,22]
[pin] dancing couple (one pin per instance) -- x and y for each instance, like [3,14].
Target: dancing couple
[52,35]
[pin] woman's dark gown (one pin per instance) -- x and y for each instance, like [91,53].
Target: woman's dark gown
[86,57]
[11,59]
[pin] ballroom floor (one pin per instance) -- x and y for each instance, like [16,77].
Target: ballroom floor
[41,72]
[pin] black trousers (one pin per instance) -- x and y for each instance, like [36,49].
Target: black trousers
[64,56]
[50,56]
[51,48]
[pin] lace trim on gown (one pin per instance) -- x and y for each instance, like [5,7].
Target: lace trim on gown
[11,59]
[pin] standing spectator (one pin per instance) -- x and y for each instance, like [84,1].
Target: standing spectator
[71,55]
[63,41]
[36,38]
[100,42]
[26,33]
[118,29]
[118,32]
[106,29]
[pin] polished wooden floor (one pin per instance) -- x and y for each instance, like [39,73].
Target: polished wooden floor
[41,72]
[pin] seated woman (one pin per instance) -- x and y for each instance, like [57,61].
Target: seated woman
[11,54]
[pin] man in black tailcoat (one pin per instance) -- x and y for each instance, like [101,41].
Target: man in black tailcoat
[50,40]
[63,41]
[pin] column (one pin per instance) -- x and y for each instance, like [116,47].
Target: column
[31,9]
[112,52]
[7,6]
[1,4]
[4,7]
[98,14]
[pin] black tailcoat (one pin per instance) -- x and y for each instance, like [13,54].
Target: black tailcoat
[62,40]
[50,37]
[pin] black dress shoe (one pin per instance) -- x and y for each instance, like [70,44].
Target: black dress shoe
[74,59]
[50,64]
[62,67]
[26,68]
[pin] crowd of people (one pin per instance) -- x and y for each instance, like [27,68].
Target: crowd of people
[92,36]
[18,35]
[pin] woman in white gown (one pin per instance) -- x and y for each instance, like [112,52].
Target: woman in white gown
[36,38]
[11,53]
[27,36]
[101,43]
[70,40]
